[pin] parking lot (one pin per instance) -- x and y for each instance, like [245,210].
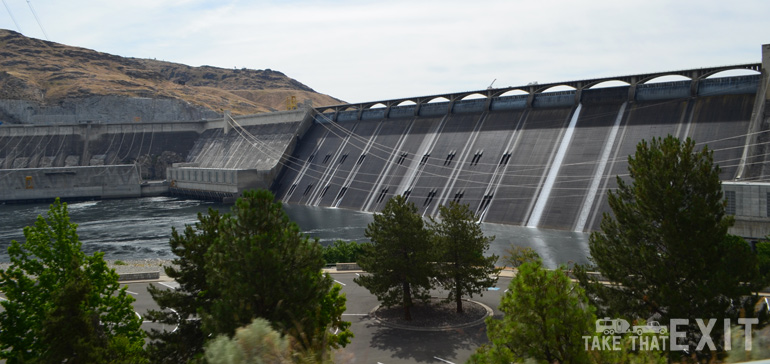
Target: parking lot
[373,342]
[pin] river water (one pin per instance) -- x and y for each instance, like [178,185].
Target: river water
[133,229]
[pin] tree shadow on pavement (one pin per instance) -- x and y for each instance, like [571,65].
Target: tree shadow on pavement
[424,346]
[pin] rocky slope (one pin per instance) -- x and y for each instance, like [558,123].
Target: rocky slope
[41,80]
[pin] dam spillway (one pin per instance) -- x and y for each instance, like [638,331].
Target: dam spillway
[547,165]
[540,159]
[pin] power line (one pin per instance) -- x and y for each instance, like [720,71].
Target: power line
[36,19]
[12,18]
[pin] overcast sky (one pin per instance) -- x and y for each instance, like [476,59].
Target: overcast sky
[362,51]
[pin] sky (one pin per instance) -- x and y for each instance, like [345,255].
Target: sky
[365,51]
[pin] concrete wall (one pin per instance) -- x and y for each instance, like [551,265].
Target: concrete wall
[249,149]
[210,179]
[663,90]
[406,111]
[108,109]
[100,182]
[554,99]
[728,85]
[469,106]
[748,202]
[87,144]
[516,102]
[371,114]
[250,155]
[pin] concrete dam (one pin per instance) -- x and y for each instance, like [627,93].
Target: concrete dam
[546,166]
[540,159]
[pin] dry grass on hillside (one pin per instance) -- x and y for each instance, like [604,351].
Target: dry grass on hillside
[47,72]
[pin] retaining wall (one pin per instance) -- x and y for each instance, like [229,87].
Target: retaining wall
[97,182]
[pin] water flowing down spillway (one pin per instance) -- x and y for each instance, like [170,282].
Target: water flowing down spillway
[542,199]
[598,175]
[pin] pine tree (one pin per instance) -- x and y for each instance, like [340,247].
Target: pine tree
[545,318]
[252,263]
[665,247]
[263,266]
[180,307]
[62,304]
[463,269]
[399,259]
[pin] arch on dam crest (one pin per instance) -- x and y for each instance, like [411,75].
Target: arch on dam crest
[556,88]
[437,99]
[514,92]
[731,73]
[664,78]
[606,84]
[474,96]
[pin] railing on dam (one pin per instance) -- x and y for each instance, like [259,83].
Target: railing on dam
[538,95]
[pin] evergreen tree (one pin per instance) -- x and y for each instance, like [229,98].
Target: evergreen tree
[399,259]
[252,263]
[545,316]
[62,304]
[665,248]
[463,269]
[261,265]
[180,307]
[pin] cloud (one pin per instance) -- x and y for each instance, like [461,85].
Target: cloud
[373,50]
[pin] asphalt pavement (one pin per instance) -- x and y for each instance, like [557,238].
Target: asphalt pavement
[373,342]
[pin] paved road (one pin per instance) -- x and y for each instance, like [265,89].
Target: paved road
[374,343]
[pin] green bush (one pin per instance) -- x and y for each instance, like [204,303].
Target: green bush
[342,252]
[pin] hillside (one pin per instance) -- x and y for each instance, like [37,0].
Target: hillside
[49,74]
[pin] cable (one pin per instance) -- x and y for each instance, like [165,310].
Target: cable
[37,19]
[12,18]
[540,167]
[244,133]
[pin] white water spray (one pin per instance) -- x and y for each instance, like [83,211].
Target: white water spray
[594,188]
[537,212]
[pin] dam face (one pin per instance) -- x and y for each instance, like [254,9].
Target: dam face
[547,165]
